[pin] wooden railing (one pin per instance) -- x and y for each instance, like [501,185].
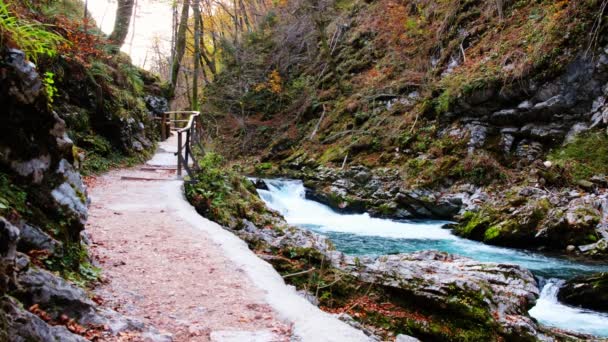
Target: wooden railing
[188,127]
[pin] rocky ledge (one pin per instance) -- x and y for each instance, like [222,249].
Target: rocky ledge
[568,221]
[486,293]
[496,297]
[590,292]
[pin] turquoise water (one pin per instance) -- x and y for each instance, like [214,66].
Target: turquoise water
[360,234]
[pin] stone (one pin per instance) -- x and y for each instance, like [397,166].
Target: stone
[406,338]
[30,85]
[35,167]
[585,184]
[9,235]
[22,262]
[137,146]
[526,105]
[66,195]
[478,136]
[554,104]
[547,163]
[576,130]
[53,294]
[348,319]
[33,237]
[589,292]
[505,292]
[156,105]
[504,117]
[23,326]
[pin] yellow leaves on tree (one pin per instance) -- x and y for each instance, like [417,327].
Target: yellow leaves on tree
[274,84]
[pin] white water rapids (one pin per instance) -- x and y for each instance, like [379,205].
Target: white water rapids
[362,234]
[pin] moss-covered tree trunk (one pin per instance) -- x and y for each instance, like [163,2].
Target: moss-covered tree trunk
[124,12]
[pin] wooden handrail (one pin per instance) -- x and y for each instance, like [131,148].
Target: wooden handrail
[190,122]
[191,130]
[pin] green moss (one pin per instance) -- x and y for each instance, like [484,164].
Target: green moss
[262,168]
[491,233]
[585,156]
[473,223]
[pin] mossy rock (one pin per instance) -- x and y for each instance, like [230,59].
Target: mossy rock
[590,292]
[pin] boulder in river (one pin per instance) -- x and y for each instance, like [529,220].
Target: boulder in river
[589,292]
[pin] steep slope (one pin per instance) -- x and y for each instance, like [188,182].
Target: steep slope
[432,110]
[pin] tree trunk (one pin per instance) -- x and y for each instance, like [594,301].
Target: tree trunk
[197,52]
[180,46]
[124,11]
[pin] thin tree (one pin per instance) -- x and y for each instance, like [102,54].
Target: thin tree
[197,52]
[180,45]
[124,12]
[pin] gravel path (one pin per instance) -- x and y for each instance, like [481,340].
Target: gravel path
[171,268]
[166,272]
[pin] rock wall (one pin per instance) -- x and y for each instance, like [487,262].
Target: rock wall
[530,118]
[45,217]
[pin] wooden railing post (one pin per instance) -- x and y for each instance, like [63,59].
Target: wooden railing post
[187,146]
[179,153]
[192,130]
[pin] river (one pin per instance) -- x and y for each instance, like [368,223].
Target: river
[360,234]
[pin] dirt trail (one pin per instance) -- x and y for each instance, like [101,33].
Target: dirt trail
[186,276]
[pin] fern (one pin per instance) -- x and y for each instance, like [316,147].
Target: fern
[33,38]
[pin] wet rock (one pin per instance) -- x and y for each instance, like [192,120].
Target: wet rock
[32,237]
[589,292]
[260,184]
[23,326]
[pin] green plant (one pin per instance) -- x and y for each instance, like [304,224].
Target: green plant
[133,77]
[585,156]
[11,197]
[49,86]
[74,265]
[33,38]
